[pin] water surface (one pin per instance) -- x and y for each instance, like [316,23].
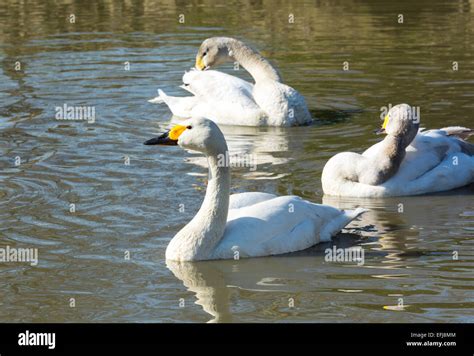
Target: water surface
[135,208]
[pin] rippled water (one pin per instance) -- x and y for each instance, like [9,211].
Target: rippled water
[135,208]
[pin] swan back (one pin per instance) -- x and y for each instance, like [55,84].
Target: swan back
[279,225]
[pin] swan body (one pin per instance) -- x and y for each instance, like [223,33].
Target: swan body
[278,231]
[217,96]
[246,224]
[412,163]
[229,100]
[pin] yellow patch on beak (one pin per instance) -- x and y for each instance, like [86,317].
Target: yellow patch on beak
[385,122]
[176,131]
[200,63]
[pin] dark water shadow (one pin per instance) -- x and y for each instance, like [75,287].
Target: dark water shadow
[323,117]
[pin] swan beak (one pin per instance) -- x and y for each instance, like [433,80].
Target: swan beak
[200,63]
[163,140]
[169,138]
[384,126]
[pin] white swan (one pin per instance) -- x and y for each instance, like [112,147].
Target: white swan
[407,162]
[229,100]
[246,224]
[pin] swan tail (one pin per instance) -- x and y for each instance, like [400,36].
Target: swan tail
[463,134]
[179,106]
[336,225]
[159,99]
[458,131]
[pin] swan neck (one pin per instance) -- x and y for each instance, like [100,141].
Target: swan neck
[215,207]
[390,157]
[198,239]
[258,67]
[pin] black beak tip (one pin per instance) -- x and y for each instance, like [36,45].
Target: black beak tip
[163,140]
[153,141]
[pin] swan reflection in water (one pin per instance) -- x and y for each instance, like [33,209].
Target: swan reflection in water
[425,219]
[214,282]
[252,148]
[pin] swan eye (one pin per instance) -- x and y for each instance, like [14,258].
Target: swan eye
[204,53]
[189,127]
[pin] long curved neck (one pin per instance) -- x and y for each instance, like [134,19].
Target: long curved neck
[197,240]
[385,164]
[258,67]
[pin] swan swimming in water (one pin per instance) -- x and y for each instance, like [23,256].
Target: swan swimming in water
[408,161]
[247,224]
[229,100]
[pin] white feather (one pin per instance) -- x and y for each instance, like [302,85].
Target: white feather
[434,162]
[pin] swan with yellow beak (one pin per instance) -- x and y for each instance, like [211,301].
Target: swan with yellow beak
[247,224]
[408,161]
[229,100]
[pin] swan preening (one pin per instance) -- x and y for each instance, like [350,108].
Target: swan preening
[229,100]
[245,224]
[409,161]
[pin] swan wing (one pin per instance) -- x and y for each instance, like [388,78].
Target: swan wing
[435,161]
[214,85]
[428,150]
[218,96]
[241,200]
[223,98]
[280,225]
[458,131]
[455,171]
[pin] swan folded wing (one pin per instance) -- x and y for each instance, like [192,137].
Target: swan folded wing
[461,134]
[434,162]
[456,170]
[426,152]
[275,226]
[422,155]
[216,85]
[242,200]
[458,131]
[223,98]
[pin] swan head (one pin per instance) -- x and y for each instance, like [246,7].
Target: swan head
[197,134]
[401,121]
[213,52]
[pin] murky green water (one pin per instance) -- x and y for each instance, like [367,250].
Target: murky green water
[409,255]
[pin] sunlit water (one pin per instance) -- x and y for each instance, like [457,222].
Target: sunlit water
[419,251]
